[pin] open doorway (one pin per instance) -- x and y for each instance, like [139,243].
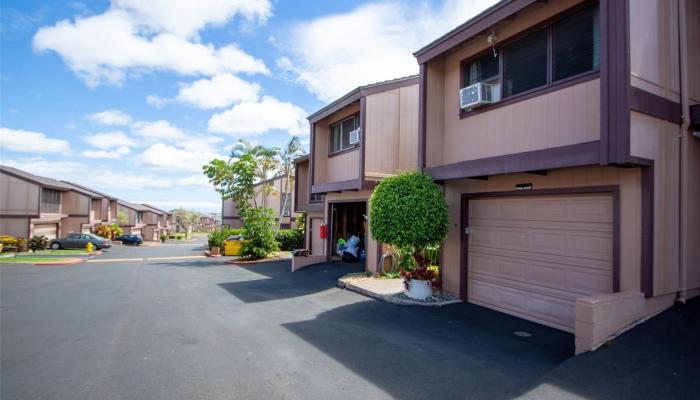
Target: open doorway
[347,219]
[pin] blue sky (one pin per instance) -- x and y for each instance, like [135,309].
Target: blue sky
[131,97]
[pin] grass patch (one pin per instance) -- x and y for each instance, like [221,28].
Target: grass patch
[66,252]
[29,259]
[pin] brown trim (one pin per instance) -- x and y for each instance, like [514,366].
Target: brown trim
[77,215]
[647,245]
[385,87]
[335,106]
[296,187]
[471,28]
[312,157]
[654,105]
[694,112]
[348,150]
[350,184]
[614,190]
[316,206]
[614,81]
[529,94]
[557,157]
[363,119]
[422,93]
[19,215]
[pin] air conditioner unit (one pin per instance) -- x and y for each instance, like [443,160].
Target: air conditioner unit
[355,136]
[475,95]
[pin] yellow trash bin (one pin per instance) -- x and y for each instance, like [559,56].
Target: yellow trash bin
[233,246]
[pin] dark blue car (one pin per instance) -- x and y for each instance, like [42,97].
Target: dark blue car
[130,239]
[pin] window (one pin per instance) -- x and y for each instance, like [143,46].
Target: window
[534,61]
[50,200]
[316,198]
[139,217]
[576,45]
[286,202]
[340,134]
[525,63]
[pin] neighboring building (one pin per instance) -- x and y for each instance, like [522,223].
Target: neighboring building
[573,194]
[32,205]
[135,219]
[103,207]
[157,222]
[366,135]
[207,223]
[274,198]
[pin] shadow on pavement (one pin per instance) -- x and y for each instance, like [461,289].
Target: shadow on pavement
[281,283]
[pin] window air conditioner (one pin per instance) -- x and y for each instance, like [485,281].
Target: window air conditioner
[355,136]
[475,95]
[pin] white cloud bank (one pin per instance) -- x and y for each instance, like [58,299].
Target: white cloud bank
[109,140]
[30,142]
[218,92]
[110,117]
[255,118]
[137,36]
[332,55]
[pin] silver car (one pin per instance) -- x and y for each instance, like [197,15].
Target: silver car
[80,241]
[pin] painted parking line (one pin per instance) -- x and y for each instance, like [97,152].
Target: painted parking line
[174,258]
[104,260]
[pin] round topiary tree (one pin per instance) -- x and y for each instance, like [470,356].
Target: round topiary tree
[408,210]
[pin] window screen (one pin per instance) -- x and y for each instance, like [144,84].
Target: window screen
[525,63]
[340,134]
[50,200]
[483,69]
[576,44]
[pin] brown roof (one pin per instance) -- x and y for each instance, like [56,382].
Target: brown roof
[39,180]
[90,190]
[133,206]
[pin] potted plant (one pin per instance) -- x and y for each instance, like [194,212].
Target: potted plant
[163,238]
[409,211]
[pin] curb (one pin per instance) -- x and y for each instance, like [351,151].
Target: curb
[68,261]
[263,261]
[390,298]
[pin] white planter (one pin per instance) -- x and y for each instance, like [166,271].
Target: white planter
[419,289]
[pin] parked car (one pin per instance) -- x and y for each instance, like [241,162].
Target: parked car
[130,239]
[80,241]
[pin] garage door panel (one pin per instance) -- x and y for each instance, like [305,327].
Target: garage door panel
[534,255]
[48,230]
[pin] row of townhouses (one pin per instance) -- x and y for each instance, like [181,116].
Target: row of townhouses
[32,205]
[564,135]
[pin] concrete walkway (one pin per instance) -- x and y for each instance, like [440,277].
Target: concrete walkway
[390,291]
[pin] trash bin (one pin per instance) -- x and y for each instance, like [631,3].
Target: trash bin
[233,245]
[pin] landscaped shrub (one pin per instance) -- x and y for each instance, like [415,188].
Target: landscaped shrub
[289,239]
[38,243]
[259,232]
[408,210]
[9,243]
[217,237]
[116,230]
[104,231]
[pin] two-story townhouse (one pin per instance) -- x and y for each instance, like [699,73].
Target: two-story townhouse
[31,205]
[572,180]
[131,218]
[277,195]
[103,209]
[366,135]
[157,222]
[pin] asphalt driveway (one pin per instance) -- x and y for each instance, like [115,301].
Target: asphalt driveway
[197,329]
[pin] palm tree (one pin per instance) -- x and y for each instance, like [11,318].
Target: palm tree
[265,159]
[287,155]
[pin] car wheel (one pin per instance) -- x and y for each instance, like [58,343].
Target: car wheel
[55,246]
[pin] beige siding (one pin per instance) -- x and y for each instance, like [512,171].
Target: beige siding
[18,196]
[18,227]
[654,47]
[391,128]
[301,185]
[74,203]
[630,188]
[72,225]
[343,167]
[693,49]
[434,112]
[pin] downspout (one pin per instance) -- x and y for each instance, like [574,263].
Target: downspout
[683,144]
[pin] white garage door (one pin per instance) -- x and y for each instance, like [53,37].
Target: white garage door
[136,232]
[48,230]
[315,232]
[532,256]
[86,229]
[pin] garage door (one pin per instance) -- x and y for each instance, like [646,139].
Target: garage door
[532,256]
[86,229]
[48,230]
[136,232]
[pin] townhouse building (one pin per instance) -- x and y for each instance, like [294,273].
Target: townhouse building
[366,135]
[131,218]
[560,134]
[275,194]
[157,222]
[103,207]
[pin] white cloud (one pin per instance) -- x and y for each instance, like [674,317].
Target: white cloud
[30,142]
[156,101]
[136,36]
[110,117]
[156,131]
[255,118]
[56,169]
[332,55]
[168,157]
[184,18]
[109,140]
[194,180]
[115,154]
[218,92]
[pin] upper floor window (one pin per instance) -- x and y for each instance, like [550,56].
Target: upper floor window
[316,198]
[50,200]
[340,134]
[139,217]
[565,48]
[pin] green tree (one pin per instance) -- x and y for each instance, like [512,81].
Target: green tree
[122,218]
[408,210]
[286,156]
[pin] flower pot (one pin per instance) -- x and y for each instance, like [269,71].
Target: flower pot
[215,251]
[419,289]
